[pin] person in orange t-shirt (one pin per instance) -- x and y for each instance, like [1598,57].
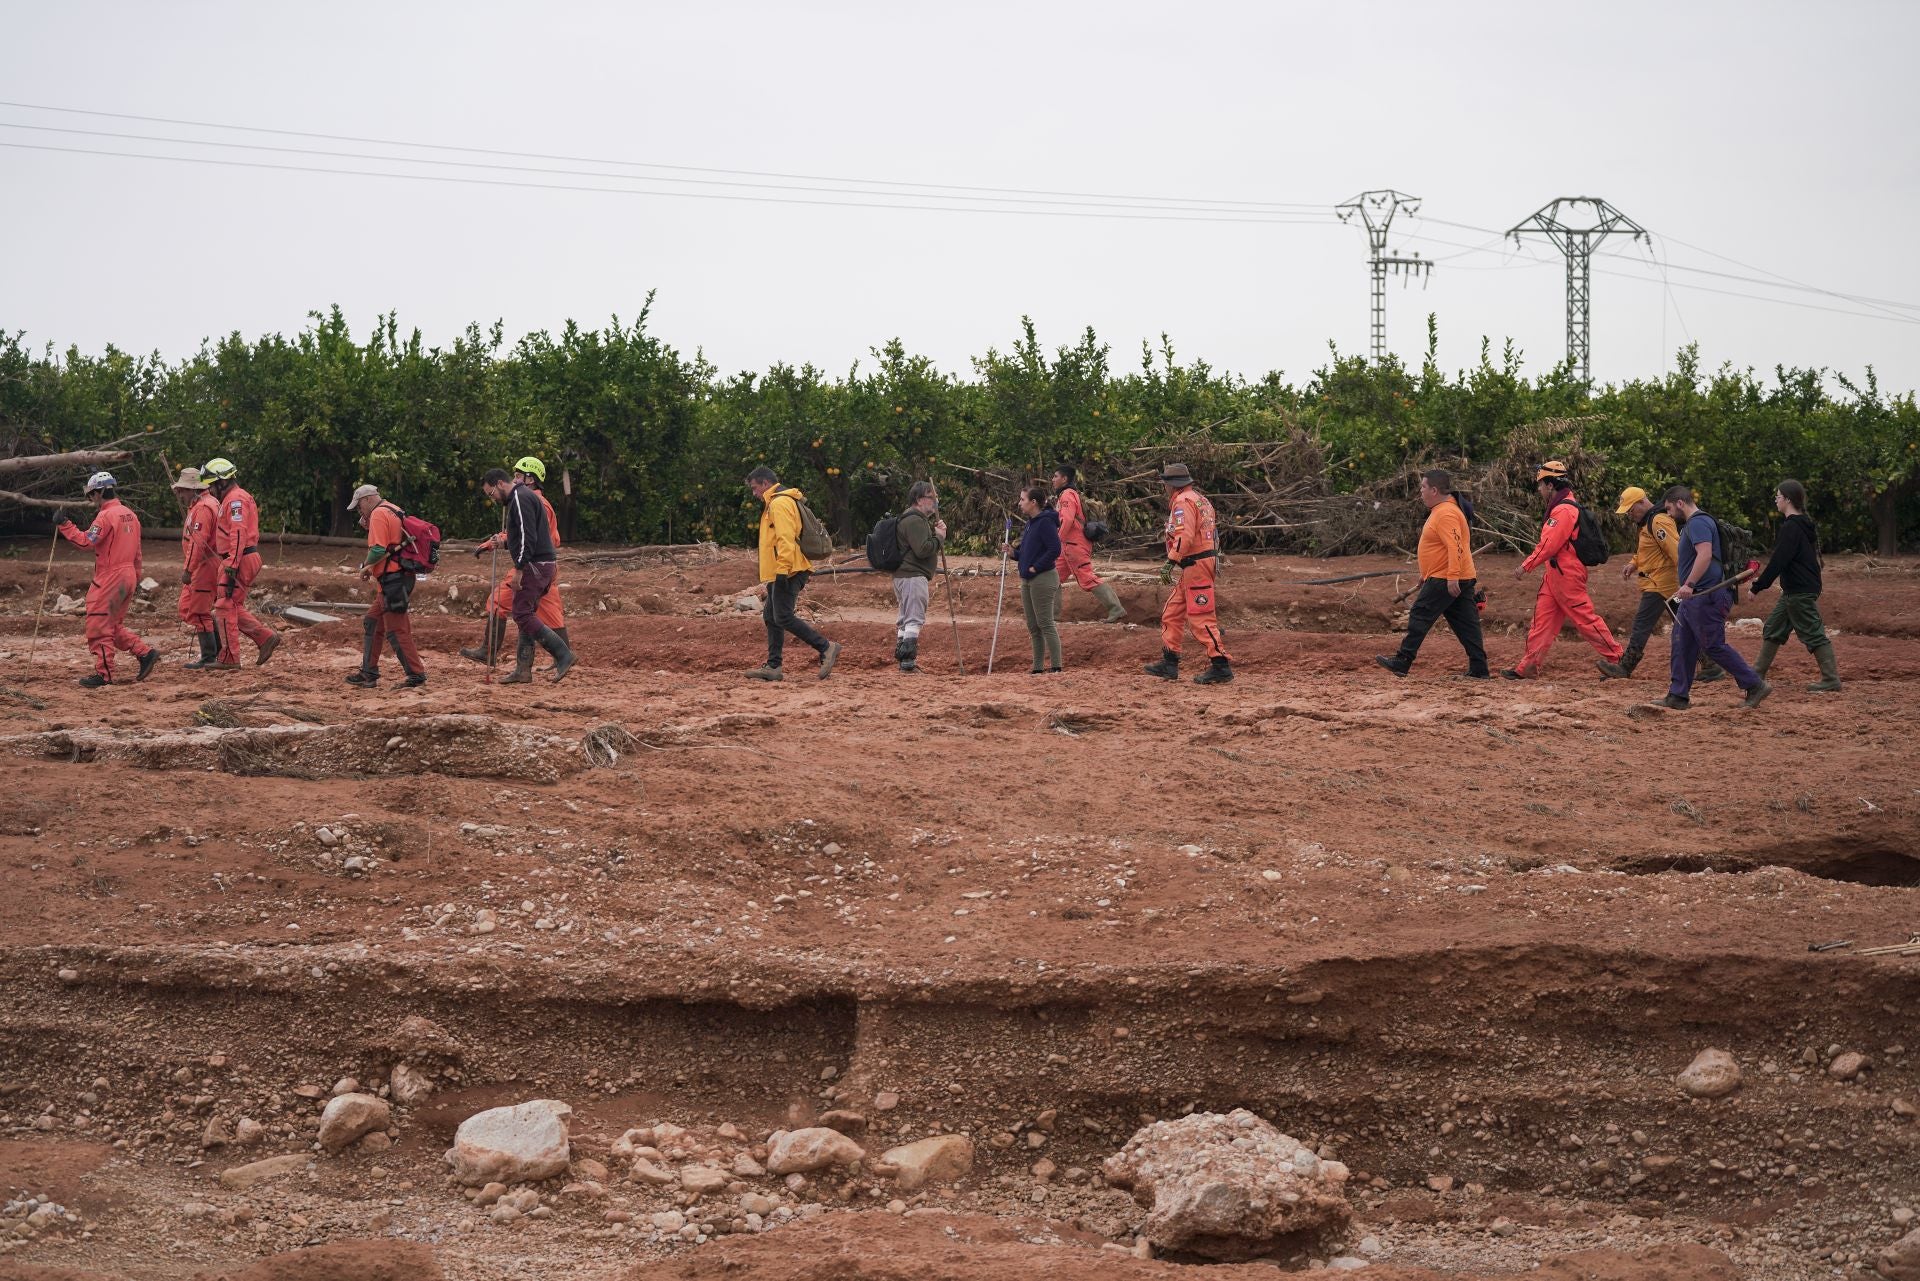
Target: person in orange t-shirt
[1447,581]
[387,618]
[1192,549]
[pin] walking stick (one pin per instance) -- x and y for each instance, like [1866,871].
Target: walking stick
[486,619]
[952,613]
[46,579]
[1006,535]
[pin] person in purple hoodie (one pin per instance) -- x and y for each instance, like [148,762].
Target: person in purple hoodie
[1039,579]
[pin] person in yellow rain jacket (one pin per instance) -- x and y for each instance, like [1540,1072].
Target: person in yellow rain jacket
[784,571]
[1448,584]
[1653,565]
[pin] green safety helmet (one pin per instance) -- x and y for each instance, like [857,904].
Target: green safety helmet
[218,469]
[532,467]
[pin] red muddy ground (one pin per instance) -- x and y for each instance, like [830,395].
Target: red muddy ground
[1458,932]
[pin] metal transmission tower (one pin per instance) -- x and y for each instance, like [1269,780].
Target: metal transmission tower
[1576,240]
[1376,210]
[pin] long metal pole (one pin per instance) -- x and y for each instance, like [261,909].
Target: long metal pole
[46,579]
[1006,535]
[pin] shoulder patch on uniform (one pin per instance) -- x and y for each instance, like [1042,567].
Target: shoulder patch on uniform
[1659,534]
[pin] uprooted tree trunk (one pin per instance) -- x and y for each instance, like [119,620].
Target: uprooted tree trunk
[79,458]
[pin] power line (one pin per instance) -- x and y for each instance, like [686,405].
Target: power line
[1275,221]
[1251,205]
[583,173]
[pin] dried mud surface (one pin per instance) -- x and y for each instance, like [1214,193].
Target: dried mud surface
[1464,934]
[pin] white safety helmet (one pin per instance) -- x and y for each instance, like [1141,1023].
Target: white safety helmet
[101,480]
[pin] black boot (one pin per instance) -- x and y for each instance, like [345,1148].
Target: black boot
[369,672]
[554,643]
[562,633]
[1167,669]
[147,660]
[1218,672]
[907,651]
[495,641]
[209,650]
[1622,669]
[522,673]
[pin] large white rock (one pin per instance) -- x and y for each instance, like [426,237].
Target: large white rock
[1712,1075]
[943,1158]
[1901,1260]
[520,1144]
[814,1148]
[1228,1187]
[349,1116]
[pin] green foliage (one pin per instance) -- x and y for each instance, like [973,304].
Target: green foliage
[653,444]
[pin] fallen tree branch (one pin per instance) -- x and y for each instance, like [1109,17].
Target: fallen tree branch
[21,500]
[87,458]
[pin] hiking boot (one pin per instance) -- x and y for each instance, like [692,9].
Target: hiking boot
[267,647]
[93,681]
[828,657]
[223,665]
[414,680]
[147,660]
[1829,682]
[1392,664]
[1167,668]
[1619,671]
[766,672]
[364,678]
[1116,612]
[209,650]
[1631,659]
[1218,672]
[1514,674]
[1471,675]
[1757,695]
[1674,703]
[1709,673]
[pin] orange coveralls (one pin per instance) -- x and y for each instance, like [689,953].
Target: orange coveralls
[1076,551]
[114,540]
[501,605]
[199,563]
[1191,546]
[387,618]
[236,533]
[1563,593]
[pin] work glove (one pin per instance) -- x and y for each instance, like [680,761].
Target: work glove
[186,578]
[483,549]
[1166,572]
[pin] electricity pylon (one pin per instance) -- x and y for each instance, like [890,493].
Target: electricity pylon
[1376,210]
[1576,240]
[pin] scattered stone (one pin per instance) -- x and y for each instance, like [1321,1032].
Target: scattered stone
[521,1144]
[886,1101]
[490,1193]
[239,1178]
[1223,1186]
[215,1135]
[853,1124]
[944,1158]
[1440,1183]
[729,1131]
[810,1149]
[1849,1065]
[702,1179]
[1905,1108]
[1902,1217]
[1901,1260]
[757,1203]
[247,1132]
[69,976]
[588,1168]
[309,1092]
[747,1168]
[645,1171]
[669,1220]
[1712,1075]
[377,1141]
[408,1085]
[350,1115]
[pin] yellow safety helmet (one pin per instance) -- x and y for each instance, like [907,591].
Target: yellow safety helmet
[218,469]
[1555,470]
[532,467]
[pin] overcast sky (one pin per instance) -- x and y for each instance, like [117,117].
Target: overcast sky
[1780,136]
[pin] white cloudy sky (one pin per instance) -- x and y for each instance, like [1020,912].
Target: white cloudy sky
[1778,136]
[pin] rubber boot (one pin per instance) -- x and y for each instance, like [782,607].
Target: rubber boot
[1757,694]
[1767,651]
[522,673]
[1116,612]
[1167,669]
[496,640]
[1624,668]
[1829,682]
[563,660]
[209,650]
[562,633]
[1218,672]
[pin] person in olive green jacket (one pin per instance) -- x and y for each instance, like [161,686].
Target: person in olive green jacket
[1796,564]
[921,533]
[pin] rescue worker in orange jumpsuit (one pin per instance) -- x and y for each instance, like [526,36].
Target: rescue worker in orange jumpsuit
[114,540]
[1192,549]
[500,606]
[236,537]
[387,618]
[1076,549]
[1563,589]
[198,570]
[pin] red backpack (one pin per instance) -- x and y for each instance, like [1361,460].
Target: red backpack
[419,549]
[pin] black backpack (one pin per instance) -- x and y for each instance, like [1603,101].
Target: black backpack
[884,548]
[1734,548]
[1589,544]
